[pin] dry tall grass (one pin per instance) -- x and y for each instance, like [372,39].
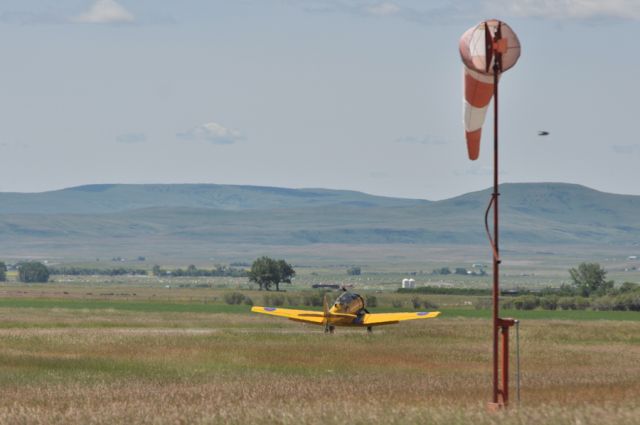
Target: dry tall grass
[235,369]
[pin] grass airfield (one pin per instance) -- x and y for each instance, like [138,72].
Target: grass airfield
[67,358]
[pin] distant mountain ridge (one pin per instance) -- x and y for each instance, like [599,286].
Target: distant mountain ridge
[108,198]
[151,219]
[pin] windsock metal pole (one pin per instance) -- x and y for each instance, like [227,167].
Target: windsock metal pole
[496,251]
[490,47]
[499,325]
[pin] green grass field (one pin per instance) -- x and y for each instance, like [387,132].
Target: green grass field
[182,359]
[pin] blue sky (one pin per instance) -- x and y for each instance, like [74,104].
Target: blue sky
[343,94]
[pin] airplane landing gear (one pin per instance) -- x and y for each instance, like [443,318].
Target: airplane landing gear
[369,329]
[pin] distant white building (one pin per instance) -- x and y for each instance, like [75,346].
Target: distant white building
[408,283]
[632,257]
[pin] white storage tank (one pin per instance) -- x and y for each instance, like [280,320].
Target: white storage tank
[408,283]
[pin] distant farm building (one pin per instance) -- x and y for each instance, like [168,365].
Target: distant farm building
[408,283]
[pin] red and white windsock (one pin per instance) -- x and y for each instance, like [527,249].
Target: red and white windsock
[488,48]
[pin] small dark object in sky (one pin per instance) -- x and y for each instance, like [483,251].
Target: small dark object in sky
[543,133]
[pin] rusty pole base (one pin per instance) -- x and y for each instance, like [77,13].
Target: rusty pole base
[495,407]
[502,393]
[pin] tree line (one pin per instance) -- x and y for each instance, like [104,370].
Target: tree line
[87,271]
[193,271]
[34,271]
[589,289]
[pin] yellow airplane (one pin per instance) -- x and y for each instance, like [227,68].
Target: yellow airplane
[348,310]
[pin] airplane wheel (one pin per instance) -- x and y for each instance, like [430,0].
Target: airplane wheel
[331,329]
[369,329]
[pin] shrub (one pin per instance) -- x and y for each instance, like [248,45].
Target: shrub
[549,302]
[428,305]
[276,300]
[293,300]
[603,303]
[313,299]
[397,303]
[526,302]
[628,287]
[582,303]
[247,300]
[631,301]
[619,303]
[416,302]
[371,300]
[567,303]
[233,298]
[507,305]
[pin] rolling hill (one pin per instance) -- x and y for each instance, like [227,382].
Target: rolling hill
[110,198]
[162,219]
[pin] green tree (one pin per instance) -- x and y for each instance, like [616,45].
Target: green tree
[354,271]
[3,272]
[266,271]
[33,272]
[286,272]
[156,270]
[590,278]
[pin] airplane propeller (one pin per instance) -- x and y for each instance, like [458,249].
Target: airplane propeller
[326,315]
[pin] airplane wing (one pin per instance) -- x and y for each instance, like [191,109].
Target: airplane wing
[390,318]
[308,316]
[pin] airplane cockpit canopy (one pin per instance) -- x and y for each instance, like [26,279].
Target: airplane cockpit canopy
[347,298]
[350,303]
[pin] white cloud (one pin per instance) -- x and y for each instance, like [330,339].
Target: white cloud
[383,9]
[213,133]
[567,9]
[105,12]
